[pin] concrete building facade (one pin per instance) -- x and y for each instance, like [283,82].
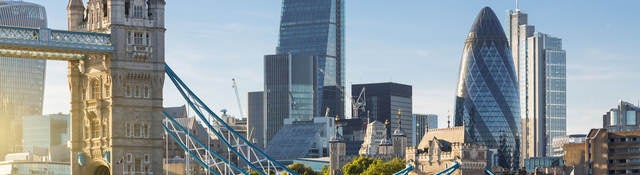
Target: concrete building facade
[559,142]
[605,152]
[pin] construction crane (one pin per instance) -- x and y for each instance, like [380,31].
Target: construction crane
[235,87]
[359,103]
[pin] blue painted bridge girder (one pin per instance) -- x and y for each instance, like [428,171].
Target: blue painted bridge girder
[44,43]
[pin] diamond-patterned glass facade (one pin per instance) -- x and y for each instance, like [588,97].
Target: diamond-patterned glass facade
[487,101]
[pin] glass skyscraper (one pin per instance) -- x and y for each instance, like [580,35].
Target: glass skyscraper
[546,91]
[288,83]
[21,80]
[316,28]
[541,68]
[487,95]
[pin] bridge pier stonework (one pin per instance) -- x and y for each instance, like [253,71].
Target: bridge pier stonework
[116,98]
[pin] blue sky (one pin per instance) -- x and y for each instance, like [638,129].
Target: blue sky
[414,42]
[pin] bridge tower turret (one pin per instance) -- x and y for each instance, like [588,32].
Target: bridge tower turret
[116,110]
[75,15]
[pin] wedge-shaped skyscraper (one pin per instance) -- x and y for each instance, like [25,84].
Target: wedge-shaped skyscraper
[487,95]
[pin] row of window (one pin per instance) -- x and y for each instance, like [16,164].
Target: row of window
[624,139]
[138,38]
[137,130]
[137,165]
[138,91]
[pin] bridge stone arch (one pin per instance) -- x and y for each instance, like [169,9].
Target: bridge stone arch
[115,55]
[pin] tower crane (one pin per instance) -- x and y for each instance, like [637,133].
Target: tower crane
[359,103]
[235,87]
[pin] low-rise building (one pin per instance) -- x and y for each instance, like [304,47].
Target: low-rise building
[535,164]
[605,152]
[34,167]
[558,142]
[440,149]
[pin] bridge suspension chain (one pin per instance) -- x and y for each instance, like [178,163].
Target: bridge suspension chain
[248,153]
[207,158]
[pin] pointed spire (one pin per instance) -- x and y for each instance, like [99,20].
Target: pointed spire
[75,4]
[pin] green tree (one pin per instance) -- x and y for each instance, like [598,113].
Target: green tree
[357,166]
[302,169]
[383,168]
[252,172]
[325,170]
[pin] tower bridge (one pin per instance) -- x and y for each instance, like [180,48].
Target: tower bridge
[116,70]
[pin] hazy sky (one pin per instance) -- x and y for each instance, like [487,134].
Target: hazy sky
[414,42]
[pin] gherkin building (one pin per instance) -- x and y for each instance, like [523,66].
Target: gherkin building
[487,95]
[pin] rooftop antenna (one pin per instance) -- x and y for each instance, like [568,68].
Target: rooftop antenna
[517,9]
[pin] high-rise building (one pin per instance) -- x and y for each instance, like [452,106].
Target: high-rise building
[420,124]
[21,80]
[487,96]
[387,102]
[255,118]
[546,93]
[288,82]
[519,31]
[622,118]
[316,28]
[540,64]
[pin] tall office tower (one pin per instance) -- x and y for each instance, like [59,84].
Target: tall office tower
[622,118]
[487,96]
[545,90]
[384,101]
[420,124]
[316,28]
[540,67]
[21,80]
[519,31]
[288,83]
[255,118]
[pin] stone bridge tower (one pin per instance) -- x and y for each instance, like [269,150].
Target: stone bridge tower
[116,99]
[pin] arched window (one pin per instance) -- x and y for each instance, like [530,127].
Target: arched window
[127,91]
[95,127]
[127,129]
[147,92]
[95,89]
[137,91]
[137,130]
